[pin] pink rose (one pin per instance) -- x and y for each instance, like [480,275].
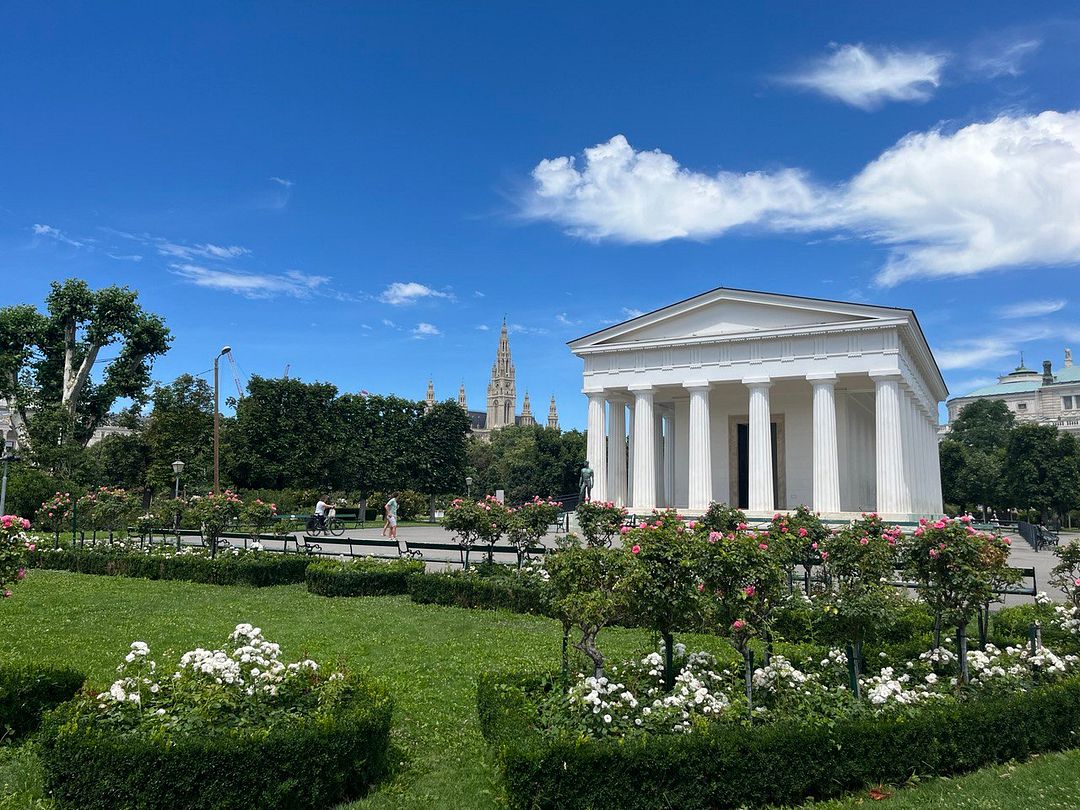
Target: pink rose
[1006,541]
[763,546]
[919,532]
[741,526]
[691,524]
[940,524]
[776,516]
[966,518]
[714,536]
[934,554]
[824,555]
[864,541]
[749,590]
[21,574]
[635,549]
[7,594]
[1076,582]
[624,530]
[31,546]
[6,521]
[813,546]
[701,586]
[738,624]
[802,532]
[25,523]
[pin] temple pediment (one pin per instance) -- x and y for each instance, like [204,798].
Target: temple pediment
[726,312]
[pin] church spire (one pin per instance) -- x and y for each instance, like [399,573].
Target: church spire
[429,400]
[553,415]
[461,398]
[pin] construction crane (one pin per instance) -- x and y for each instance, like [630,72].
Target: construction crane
[235,374]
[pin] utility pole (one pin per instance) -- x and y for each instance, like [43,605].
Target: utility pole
[217,419]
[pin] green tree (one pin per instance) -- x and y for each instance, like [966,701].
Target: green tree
[1042,469]
[283,435]
[527,460]
[438,464]
[376,442]
[984,424]
[120,460]
[181,428]
[48,359]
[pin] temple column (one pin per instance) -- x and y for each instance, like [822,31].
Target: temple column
[700,450]
[658,437]
[669,460]
[762,498]
[616,491]
[644,450]
[596,447]
[826,451]
[630,453]
[892,493]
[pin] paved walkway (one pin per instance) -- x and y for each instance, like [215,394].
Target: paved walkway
[1022,556]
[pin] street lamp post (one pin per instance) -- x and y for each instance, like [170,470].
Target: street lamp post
[468,486]
[9,456]
[177,468]
[224,350]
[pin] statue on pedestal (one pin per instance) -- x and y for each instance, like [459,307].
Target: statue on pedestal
[585,483]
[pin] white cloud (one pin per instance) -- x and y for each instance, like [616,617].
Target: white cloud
[206,251]
[964,386]
[424,330]
[478,294]
[521,329]
[281,181]
[57,234]
[483,327]
[987,196]
[632,196]
[125,257]
[390,323]
[864,78]
[1002,60]
[1032,309]
[565,321]
[630,312]
[401,293]
[251,285]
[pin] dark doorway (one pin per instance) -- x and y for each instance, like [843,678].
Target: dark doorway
[743,430]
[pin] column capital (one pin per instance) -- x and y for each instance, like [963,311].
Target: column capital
[757,382]
[886,374]
[697,385]
[639,388]
[822,378]
[594,392]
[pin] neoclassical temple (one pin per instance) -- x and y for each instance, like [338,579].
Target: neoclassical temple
[765,401]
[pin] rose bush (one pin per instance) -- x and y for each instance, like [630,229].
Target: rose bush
[14,543]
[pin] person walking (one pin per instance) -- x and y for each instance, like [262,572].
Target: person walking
[390,512]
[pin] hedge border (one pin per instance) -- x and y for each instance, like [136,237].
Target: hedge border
[361,577]
[312,762]
[458,589]
[254,570]
[27,692]
[777,764]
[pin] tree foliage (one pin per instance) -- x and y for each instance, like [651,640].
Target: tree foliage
[527,460]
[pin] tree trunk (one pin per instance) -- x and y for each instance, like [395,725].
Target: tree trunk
[588,646]
[961,652]
[431,510]
[748,662]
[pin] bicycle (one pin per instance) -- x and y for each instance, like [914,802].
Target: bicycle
[330,525]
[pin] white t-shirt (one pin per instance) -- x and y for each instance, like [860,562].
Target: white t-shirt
[321,507]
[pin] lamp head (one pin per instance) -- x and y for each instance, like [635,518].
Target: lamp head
[178,467]
[224,350]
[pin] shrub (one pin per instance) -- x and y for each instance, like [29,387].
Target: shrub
[600,521]
[243,568]
[230,728]
[782,763]
[14,543]
[27,692]
[363,577]
[520,594]
[720,517]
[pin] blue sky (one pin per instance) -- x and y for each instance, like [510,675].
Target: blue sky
[362,191]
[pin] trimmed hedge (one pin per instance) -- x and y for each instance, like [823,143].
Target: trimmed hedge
[363,577]
[259,570]
[730,766]
[308,762]
[459,589]
[27,692]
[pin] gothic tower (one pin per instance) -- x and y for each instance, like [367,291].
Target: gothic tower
[461,398]
[429,400]
[502,390]
[526,411]
[553,415]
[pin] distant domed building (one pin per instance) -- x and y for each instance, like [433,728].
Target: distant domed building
[501,397]
[1049,398]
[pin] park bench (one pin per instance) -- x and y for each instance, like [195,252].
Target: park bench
[319,544]
[1038,537]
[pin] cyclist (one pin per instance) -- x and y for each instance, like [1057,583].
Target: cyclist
[322,508]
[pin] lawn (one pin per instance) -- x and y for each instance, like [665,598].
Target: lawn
[427,655]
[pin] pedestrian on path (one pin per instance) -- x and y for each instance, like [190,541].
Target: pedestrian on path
[390,511]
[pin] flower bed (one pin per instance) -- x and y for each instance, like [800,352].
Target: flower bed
[230,728]
[27,692]
[363,577]
[232,567]
[729,765]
